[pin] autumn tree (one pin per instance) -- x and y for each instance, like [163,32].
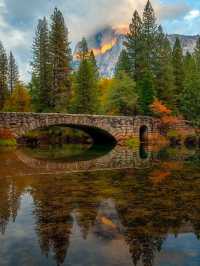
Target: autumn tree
[19,100]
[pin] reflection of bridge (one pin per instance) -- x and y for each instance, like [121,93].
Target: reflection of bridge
[100,128]
[118,158]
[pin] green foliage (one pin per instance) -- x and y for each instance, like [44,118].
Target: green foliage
[122,98]
[3,76]
[134,46]
[51,82]
[123,63]
[190,96]
[132,143]
[146,93]
[86,83]
[164,81]
[60,58]
[178,69]
[41,74]
[13,73]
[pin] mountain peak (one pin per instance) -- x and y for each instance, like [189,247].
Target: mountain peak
[107,44]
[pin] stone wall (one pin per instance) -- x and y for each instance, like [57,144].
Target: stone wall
[120,127]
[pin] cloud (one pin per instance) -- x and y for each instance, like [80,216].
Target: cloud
[18,19]
[192,14]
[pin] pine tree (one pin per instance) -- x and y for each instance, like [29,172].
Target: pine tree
[3,76]
[149,33]
[146,93]
[123,64]
[41,75]
[83,51]
[86,83]
[164,79]
[178,70]
[134,46]
[190,96]
[13,73]
[60,56]
[94,63]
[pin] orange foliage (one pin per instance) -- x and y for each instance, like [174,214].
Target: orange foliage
[164,113]
[6,134]
[160,109]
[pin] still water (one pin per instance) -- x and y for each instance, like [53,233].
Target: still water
[117,208]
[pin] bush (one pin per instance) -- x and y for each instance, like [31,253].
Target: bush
[132,142]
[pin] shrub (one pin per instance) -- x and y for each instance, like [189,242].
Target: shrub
[132,142]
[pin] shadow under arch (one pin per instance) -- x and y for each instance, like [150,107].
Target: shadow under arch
[143,133]
[98,135]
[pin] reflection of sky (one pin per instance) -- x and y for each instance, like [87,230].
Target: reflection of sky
[20,244]
[183,250]
[18,19]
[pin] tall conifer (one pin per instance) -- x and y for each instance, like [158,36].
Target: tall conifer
[164,76]
[41,75]
[3,76]
[86,82]
[178,70]
[13,73]
[60,56]
[134,46]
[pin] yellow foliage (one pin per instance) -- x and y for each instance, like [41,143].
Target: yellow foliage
[104,87]
[19,100]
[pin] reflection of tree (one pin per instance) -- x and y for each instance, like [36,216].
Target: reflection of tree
[53,216]
[156,204]
[87,206]
[147,205]
[10,194]
[56,201]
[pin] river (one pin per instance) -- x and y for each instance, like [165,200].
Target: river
[75,206]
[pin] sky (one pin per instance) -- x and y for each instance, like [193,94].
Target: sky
[18,20]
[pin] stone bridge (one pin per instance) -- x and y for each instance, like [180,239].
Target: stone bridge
[100,128]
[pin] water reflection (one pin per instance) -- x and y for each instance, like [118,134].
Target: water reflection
[128,216]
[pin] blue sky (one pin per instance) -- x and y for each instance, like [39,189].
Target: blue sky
[18,19]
